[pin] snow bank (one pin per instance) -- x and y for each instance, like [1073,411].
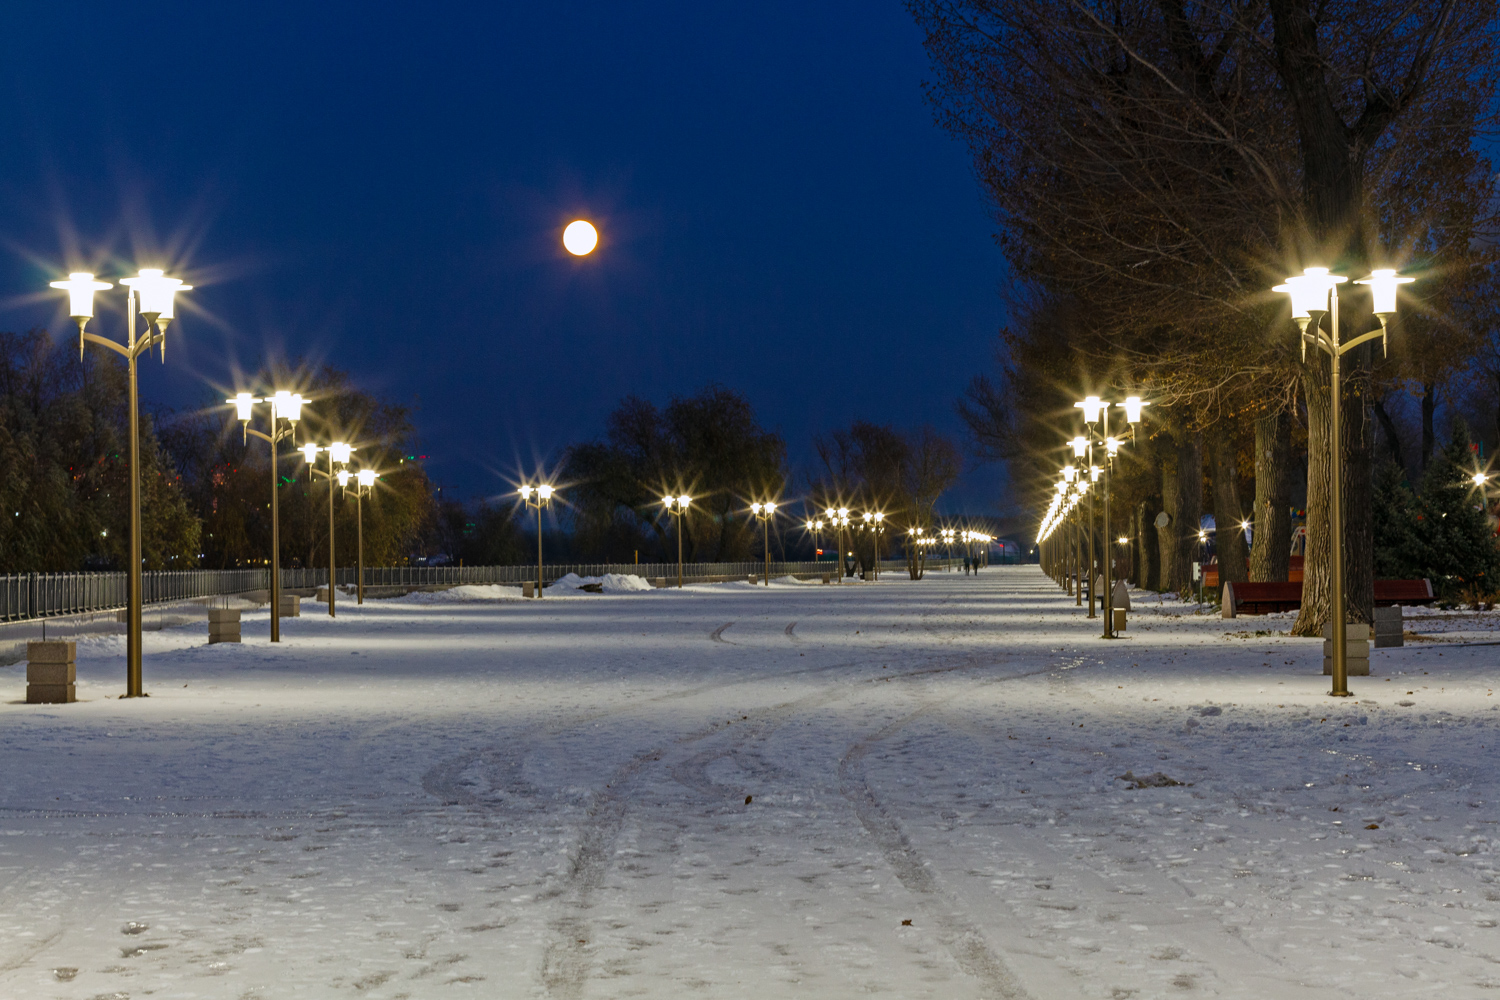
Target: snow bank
[611,583]
[467,592]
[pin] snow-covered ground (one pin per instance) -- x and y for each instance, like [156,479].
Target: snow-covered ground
[811,791]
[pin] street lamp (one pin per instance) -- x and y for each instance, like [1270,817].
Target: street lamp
[838,517]
[285,406]
[338,453]
[765,511]
[677,506]
[1315,292]
[816,527]
[154,292]
[537,497]
[364,482]
[874,522]
[1096,411]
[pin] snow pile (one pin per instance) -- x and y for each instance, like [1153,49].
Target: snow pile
[467,592]
[609,583]
[624,583]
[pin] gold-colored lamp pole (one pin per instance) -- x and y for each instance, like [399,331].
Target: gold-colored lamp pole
[1313,293]
[838,518]
[765,511]
[1096,412]
[538,497]
[677,506]
[364,482]
[154,293]
[286,407]
[338,453]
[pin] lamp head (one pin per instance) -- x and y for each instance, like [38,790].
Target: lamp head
[1123,540]
[843,512]
[156,292]
[1112,446]
[1480,478]
[367,478]
[340,452]
[309,452]
[81,287]
[243,403]
[683,501]
[1080,446]
[1133,405]
[580,238]
[343,477]
[1093,407]
[544,492]
[526,491]
[1383,283]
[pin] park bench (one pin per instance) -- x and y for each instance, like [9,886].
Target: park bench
[1264,598]
[1392,592]
[1261,598]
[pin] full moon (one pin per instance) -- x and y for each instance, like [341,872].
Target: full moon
[580,238]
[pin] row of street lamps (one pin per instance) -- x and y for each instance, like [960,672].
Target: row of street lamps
[1314,294]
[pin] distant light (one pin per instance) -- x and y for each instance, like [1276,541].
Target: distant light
[580,238]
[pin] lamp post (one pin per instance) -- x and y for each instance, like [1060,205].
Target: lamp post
[838,518]
[765,511]
[537,497]
[1313,293]
[338,453]
[677,506]
[286,406]
[874,522]
[154,292]
[816,527]
[364,482]
[1096,411]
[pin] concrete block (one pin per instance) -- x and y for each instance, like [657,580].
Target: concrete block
[226,637]
[291,606]
[528,588]
[1384,641]
[827,578]
[51,673]
[1353,650]
[50,694]
[223,615]
[52,651]
[1352,667]
[1352,631]
[223,629]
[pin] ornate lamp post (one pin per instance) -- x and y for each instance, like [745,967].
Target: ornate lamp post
[537,497]
[285,406]
[874,522]
[364,483]
[677,506]
[816,527]
[839,519]
[154,292]
[1313,293]
[338,453]
[1096,412]
[765,511]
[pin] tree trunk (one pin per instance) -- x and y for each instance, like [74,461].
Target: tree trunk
[1392,439]
[1357,541]
[1228,511]
[1182,488]
[1166,535]
[1429,404]
[1271,550]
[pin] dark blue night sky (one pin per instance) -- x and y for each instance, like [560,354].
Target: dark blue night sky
[383,187]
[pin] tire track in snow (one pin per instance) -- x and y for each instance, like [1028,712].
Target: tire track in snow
[959,935]
[789,634]
[717,635]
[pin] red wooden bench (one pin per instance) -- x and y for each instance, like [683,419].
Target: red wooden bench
[1263,598]
[1392,592]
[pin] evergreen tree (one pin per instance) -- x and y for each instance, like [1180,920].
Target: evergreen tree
[1453,543]
[1395,518]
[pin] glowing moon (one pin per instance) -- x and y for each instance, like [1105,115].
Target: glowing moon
[580,238]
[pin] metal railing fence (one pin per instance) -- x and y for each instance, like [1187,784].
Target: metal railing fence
[26,596]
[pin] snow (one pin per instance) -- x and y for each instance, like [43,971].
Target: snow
[474,795]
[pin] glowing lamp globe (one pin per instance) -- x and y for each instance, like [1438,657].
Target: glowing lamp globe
[156,292]
[309,453]
[544,492]
[367,477]
[243,405]
[340,452]
[580,238]
[343,477]
[81,287]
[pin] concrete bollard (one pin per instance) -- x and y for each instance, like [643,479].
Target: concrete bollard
[51,675]
[223,625]
[322,596]
[1390,631]
[528,588]
[827,578]
[291,606]
[754,579]
[1356,650]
